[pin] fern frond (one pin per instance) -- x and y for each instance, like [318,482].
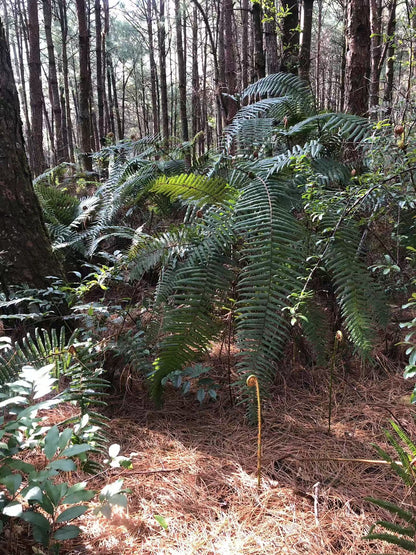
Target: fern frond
[197,188]
[349,126]
[282,84]
[272,263]
[354,288]
[189,324]
[394,509]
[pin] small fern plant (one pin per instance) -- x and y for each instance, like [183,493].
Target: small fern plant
[401,530]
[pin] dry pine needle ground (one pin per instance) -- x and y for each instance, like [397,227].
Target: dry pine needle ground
[205,481]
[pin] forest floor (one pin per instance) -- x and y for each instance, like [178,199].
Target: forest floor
[195,466]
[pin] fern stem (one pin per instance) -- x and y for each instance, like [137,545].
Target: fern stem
[252,381]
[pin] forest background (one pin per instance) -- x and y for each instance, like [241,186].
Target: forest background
[218,195]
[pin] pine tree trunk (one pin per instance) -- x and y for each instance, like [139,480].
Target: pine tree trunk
[259,60]
[84,86]
[290,36]
[99,69]
[61,153]
[375,24]
[306,39]
[391,49]
[153,69]
[358,59]
[181,72]
[37,158]
[25,253]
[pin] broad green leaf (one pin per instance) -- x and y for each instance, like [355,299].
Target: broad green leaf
[51,442]
[75,450]
[118,499]
[13,509]
[55,492]
[33,494]
[78,496]
[67,465]
[64,438]
[36,519]
[67,532]
[12,482]
[71,513]
[111,489]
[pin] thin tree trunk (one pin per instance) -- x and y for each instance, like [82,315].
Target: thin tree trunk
[259,60]
[60,150]
[244,43]
[358,60]
[391,49]
[270,39]
[181,71]
[161,36]
[306,39]
[37,158]
[153,68]
[85,86]
[290,36]
[196,102]
[375,24]
[99,68]
[66,114]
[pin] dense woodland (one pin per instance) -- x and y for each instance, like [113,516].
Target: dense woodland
[207,276]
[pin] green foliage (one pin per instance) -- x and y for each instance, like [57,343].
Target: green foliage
[39,496]
[401,531]
[286,216]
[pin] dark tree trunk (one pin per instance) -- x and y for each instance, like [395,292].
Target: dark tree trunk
[66,113]
[244,43]
[84,86]
[99,69]
[61,153]
[161,36]
[181,71]
[37,158]
[357,70]
[391,49]
[230,63]
[196,101]
[26,256]
[305,46]
[259,60]
[270,40]
[290,36]
[153,69]
[376,8]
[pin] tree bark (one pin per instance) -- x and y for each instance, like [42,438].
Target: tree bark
[181,71]
[37,158]
[259,60]
[25,253]
[153,69]
[84,86]
[61,153]
[161,36]
[290,36]
[99,69]
[358,60]
[391,49]
[376,8]
[306,39]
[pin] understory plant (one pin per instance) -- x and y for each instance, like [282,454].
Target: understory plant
[271,237]
[39,493]
[401,529]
